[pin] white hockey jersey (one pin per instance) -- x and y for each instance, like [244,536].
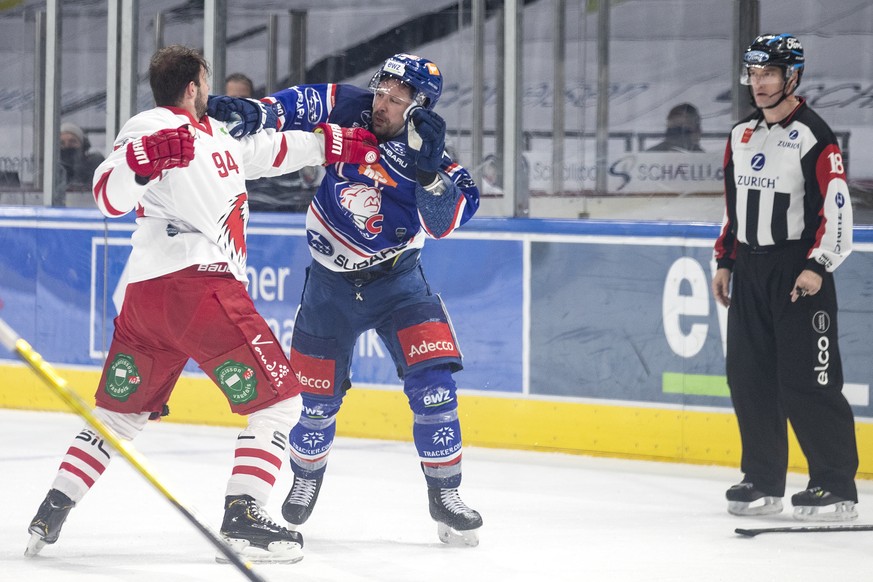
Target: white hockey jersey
[197,214]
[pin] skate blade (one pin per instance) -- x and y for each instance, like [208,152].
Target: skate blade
[453,537]
[276,552]
[34,545]
[842,511]
[769,506]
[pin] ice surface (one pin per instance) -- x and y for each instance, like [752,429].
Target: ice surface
[548,517]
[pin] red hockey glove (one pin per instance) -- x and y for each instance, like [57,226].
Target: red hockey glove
[354,145]
[162,150]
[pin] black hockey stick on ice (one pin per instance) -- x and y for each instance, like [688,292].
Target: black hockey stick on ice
[802,529]
[14,343]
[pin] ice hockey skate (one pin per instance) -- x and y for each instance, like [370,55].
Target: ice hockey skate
[744,499]
[301,500]
[255,536]
[816,504]
[457,524]
[46,524]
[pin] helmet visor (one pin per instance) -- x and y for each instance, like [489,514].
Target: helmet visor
[764,74]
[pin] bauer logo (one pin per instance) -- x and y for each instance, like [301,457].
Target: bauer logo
[821,321]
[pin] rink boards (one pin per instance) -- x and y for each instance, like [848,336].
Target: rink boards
[580,336]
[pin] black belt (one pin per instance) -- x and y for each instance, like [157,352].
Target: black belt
[781,245]
[379,270]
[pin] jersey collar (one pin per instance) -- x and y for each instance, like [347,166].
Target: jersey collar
[202,125]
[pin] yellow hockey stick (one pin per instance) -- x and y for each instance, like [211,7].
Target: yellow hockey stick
[14,343]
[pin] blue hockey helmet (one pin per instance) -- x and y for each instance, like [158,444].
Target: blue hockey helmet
[779,50]
[420,74]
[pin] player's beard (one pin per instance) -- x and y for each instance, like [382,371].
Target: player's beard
[200,103]
[383,129]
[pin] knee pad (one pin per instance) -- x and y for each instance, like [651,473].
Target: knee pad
[423,337]
[272,424]
[430,390]
[125,424]
[280,416]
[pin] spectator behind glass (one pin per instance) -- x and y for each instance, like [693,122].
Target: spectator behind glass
[288,193]
[683,131]
[238,85]
[77,160]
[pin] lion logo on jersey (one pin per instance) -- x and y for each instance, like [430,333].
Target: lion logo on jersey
[363,203]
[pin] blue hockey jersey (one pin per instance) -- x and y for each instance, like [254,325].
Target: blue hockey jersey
[366,214]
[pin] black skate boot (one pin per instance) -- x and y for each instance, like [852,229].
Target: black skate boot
[46,524]
[456,523]
[255,536]
[741,496]
[807,505]
[301,500]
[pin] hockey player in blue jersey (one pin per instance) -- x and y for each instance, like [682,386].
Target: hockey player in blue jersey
[365,227]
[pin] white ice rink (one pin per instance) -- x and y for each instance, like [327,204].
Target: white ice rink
[548,517]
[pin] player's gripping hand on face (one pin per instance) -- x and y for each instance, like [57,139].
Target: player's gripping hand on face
[165,149]
[245,116]
[354,145]
[430,129]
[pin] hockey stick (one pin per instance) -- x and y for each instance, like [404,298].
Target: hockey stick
[803,529]
[14,343]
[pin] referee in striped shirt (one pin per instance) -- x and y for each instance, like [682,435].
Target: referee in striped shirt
[787,226]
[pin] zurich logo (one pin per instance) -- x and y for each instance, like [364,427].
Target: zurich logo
[758,162]
[319,243]
[840,199]
[793,134]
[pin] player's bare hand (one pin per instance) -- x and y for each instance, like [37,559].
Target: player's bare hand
[807,283]
[721,285]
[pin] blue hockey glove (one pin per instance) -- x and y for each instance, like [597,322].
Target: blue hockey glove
[244,116]
[431,128]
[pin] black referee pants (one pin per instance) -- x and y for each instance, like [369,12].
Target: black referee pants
[783,362]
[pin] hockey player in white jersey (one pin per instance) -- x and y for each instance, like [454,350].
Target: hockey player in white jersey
[184,175]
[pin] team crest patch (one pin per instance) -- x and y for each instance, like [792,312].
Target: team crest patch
[122,378]
[238,381]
